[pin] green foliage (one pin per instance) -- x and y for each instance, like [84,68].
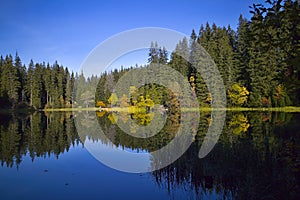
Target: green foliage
[157,54]
[262,55]
[37,85]
[10,83]
[253,61]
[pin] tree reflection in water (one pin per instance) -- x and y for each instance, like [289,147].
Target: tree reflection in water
[257,155]
[38,135]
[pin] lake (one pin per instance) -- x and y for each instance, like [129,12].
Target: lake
[51,156]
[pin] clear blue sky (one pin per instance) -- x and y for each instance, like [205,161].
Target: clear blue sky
[68,30]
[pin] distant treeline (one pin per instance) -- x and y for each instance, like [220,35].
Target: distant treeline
[259,62]
[39,85]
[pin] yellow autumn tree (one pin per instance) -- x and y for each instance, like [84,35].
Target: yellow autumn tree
[148,102]
[124,101]
[192,82]
[100,103]
[238,94]
[113,99]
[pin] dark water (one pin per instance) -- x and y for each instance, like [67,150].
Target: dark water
[43,156]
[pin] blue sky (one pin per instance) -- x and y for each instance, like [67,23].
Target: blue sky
[67,31]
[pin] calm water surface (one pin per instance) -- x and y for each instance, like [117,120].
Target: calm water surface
[43,157]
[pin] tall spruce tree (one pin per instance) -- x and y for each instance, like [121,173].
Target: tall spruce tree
[10,80]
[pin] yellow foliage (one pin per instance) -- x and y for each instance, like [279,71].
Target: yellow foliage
[143,103]
[132,89]
[208,99]
[238,94]
[100,103]
[113,99]
[124,101]
[132,109]
[208,119]
[278,91]
[148,102]
[113,118]
[100,114]
[192,79]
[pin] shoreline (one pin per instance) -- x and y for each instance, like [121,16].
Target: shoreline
[205,109]
[290,109]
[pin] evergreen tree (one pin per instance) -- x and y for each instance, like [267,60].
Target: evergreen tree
[47,82]
[37,87]
[153,53]
[10,81]
[21,74]
[163,55]
[242,56]
[29,82]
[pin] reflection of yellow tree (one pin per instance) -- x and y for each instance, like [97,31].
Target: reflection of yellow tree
[124,116]
[100,114]
[208,99]
[143,118]
[208,119]
[113,118]
[239,124]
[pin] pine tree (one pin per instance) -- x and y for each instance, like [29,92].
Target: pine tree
[37,87]
[47,81]
[68,90]
[180,58]
[21,74]
[153,53]
[29,82]
[242,56]
[290,45]
[163,55]
[2,89]
[10,80]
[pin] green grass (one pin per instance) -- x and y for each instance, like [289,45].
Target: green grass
[241,109]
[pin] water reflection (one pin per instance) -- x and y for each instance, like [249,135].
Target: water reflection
[257,155]
[36,135]
[261,162]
